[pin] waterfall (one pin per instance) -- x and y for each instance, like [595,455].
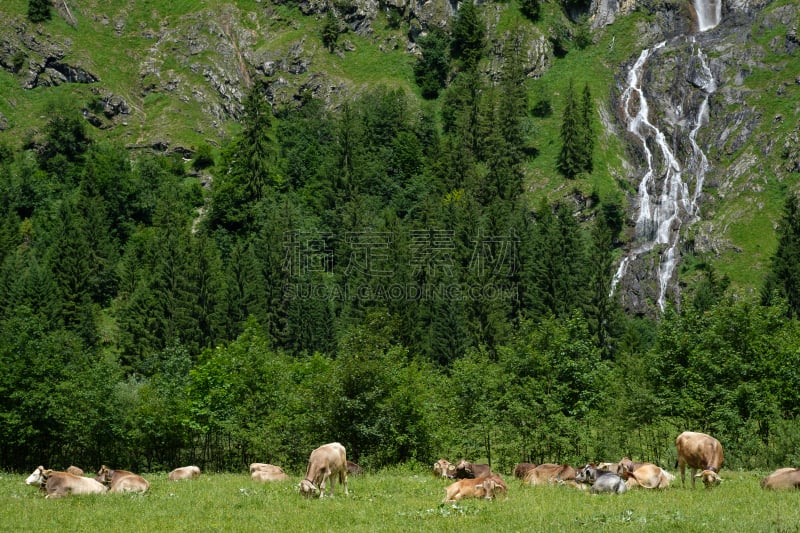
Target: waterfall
[709,13]
[664,200]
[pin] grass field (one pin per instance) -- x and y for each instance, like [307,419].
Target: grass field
[399,500]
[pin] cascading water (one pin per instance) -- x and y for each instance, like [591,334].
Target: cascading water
[664,200]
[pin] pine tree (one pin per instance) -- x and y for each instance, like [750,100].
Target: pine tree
[469,35]
[587,131]
[783,278]
[38,10]
[330,30]
[433,66]
[571,159]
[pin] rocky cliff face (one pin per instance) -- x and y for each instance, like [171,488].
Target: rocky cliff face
[736,136]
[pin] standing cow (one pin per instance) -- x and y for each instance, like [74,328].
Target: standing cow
[325,463]
[700,452]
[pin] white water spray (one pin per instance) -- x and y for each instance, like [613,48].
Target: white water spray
[709,13]
[664,200]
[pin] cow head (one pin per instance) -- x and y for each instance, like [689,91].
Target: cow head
[38,477]
[710,478]
[587,474]
[308,489]
[104,475]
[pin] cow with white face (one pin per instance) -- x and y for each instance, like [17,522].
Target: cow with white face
[327,462]
[59,484]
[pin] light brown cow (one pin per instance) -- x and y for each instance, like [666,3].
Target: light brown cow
[266,476]
[782,479]
[700,452]
[184,472]
[122,480]
[58,484]
[265,467]
[74,470]
[522,469]
[325,463]
[444,468]
[648,476]
[626,465]
[487,487]
[467,470]
[549,473]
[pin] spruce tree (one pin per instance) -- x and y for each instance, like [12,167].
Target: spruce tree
[433,66]
[330,30]
[783,278]
[38,10]
[587,131]
[572,157]
[469,35]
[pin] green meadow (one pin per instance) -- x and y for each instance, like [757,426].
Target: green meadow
[400,500]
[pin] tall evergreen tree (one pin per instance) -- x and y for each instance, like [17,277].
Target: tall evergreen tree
[571,158]
[468,34]
[433,66]
[586,129]
[783,278]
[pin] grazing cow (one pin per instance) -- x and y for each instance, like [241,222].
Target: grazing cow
[648,476]
[487,487]
[325,463]
[600,480]
[521,470]
[122,480]
[184,472]
[443,468]
[353,468]
[75,471]
[549,473]
[782,479]
[701,452]
[467,470]
[58,484]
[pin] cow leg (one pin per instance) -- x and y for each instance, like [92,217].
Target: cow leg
[325,476]
[343,480]
[694,471]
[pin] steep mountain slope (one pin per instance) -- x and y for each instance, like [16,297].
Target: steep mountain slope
[172,77]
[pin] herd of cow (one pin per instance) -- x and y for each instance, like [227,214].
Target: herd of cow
[700,452]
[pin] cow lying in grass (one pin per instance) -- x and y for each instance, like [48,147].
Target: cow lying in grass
[600,480]
[122,480]
[59,484]
[486,487]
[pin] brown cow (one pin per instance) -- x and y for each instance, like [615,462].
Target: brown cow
[58,484]
[122,480]
[443,468]
[353,468]
[782,479]
[74,470]
[701,452]
[487,487]
[467,470]
[648,476]
[626,465]
[549,473]
[184,472]
[265,468]
[325,463]
[522,469]
[265,476]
